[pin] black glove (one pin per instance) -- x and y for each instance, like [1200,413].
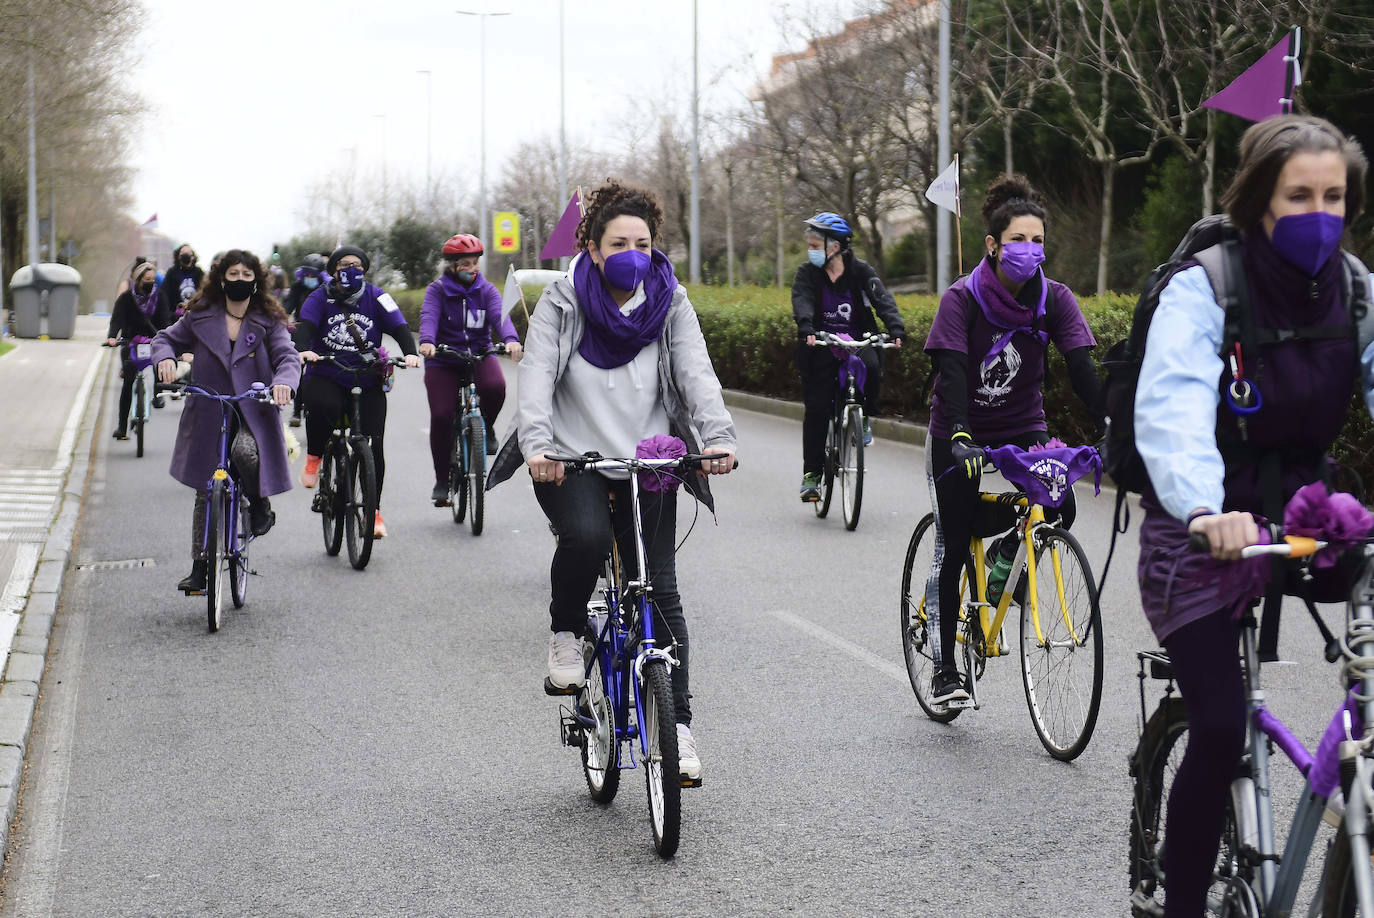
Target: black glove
[967,452]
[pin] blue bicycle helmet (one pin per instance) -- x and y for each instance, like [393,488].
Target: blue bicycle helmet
[832,226]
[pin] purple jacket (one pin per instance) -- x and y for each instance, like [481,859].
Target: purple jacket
[462,317]
[263,353]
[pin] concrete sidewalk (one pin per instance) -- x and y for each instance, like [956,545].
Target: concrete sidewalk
[48,414]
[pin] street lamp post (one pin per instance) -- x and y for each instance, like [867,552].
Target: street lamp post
[694,248]
[429,135]
[482,131]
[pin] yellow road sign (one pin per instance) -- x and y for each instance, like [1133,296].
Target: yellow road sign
[505,225]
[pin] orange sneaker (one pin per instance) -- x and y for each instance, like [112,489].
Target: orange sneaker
[379,527]
[310,475]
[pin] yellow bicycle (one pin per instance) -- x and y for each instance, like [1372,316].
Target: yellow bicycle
[1061,627]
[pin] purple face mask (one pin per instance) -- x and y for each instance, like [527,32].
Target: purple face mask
[1306,241]
[1020,259]
[626,270]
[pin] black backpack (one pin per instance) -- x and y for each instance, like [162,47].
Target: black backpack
[1214,243]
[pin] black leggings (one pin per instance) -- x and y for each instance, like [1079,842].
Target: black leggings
[959,517]
[1206,664]
[126,391]
[820,381]
[326,402]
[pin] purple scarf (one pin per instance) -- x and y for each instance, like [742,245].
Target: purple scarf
[146,304]
[1047,473]
[612,339]
[660,446]
[1003,310]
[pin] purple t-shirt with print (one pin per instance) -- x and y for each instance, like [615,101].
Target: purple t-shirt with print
[837,312]
[376,313]
[1005,397]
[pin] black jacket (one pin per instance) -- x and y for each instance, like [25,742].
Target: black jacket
[127,320]
[865,289]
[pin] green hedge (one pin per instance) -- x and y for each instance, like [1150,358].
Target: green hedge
[752,339]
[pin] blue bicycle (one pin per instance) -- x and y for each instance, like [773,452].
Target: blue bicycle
[627,699]
[228,531]
[467,473]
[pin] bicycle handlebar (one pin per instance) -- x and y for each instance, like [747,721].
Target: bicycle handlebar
[1290,547]
[595,462]
[827,339]
[374,364]
[260,392]
[470,354]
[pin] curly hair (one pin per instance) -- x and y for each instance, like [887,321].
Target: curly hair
[212,288]
[1265,148]
[617,199]
[1010,196]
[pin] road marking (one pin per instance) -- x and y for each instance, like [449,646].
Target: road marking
[28,499]
[83,395]
[16,592]
[844,645]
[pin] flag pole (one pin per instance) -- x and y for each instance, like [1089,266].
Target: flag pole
[521,289]
[958,217]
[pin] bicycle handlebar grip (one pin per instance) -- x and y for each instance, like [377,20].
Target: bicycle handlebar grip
[1198,542]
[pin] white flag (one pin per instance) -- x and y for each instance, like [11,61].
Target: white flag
[944,191]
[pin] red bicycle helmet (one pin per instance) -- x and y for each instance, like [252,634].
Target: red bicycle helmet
[462,244]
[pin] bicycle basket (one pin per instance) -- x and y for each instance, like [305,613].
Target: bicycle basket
[1046,475]
[141,352]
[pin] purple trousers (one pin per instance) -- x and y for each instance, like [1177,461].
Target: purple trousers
[441,385]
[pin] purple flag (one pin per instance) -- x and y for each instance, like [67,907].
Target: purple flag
[563,239]
[1263,89]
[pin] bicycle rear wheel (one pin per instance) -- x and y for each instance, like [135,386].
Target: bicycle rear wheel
[1061,664]
[600,748]
[659,732]
[917,644]
[832,459]
[477,470]
[140,413]
[333,485]
[238,558]
[215,563]
[361,509]
[851,468]
[458,474]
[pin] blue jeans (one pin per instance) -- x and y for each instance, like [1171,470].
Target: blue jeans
[584,527]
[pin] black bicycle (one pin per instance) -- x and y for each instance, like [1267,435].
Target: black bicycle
[347,495]
[140,350]
[467,471]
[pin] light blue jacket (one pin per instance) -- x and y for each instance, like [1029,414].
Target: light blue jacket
[1177,395]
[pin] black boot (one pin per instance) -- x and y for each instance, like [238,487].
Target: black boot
[440,494]
[260,515]
[121,434]
[194,582]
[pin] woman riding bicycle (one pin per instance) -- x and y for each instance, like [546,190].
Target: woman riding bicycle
[835,292]
[138,311]
[615,355]
[326,327]
[238,336]
[989,346]
[462,309]
[1299,183]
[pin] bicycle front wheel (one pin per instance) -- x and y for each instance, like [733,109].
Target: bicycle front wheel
[140,413]
[1339,899]
[458,474]
[918,645]
[361,511]
[333,485]
[851,469]
[659,733]
[477,470]
[215,557]
[1061,646]
[238,557]
[832,460]
[600,749]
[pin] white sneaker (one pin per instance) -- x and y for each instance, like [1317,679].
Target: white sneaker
[688,765]
[566,666]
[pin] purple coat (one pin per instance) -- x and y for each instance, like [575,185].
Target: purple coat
[263,353]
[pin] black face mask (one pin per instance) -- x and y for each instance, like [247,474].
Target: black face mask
[145,289]
[186,261]
[239,290]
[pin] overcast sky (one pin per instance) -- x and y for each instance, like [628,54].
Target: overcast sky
[253,100]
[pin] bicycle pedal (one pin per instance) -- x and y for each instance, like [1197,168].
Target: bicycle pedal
[193,592]
[551,689]
[569,729]
[690,782]
[960,704]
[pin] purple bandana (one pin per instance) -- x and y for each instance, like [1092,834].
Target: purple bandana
[850,362]
[612,339]
[146,304]
[1003,310]
[660,446]
[1046,474]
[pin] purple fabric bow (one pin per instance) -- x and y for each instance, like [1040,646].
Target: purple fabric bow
[1047,473]
[611,338]
[1003,310]
[135,342]
[850,362]
[660,446]
[1317,514]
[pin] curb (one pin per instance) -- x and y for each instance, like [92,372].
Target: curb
[900,431]
[23,671]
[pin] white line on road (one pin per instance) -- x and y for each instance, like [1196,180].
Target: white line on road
[17,587]
[83,395]
[845,645]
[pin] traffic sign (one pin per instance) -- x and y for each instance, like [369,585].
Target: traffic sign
[505,226]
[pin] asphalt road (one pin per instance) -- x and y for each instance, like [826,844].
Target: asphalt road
[378,743]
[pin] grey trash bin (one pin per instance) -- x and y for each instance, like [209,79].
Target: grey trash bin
[45,291]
